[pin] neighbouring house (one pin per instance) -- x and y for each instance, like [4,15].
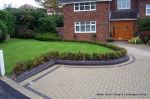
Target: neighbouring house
[27,6]
[99,20]
[51,11]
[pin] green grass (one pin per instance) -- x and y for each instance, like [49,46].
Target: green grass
[16,50]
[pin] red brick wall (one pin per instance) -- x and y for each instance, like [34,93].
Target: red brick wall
[142,8]
[101,16]
[134,5]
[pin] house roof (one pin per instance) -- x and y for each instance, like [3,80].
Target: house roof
[124,14]
[27,6]
[75,1]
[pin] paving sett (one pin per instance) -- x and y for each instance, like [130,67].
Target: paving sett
[131,81]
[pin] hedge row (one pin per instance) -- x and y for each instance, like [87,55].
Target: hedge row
[47,37]
[28,65]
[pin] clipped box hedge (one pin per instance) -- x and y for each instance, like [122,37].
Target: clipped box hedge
[119,52]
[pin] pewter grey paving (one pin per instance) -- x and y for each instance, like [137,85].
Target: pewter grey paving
[129,80]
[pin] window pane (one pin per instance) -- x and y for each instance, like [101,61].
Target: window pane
[88,23]
[77,28]
[93,28]
[92,22]
[76,8]
[148,11]
[123,4]
[76,4]
[87,27]
[87,7]
[87,4]
[82,26]
[93,5]
[81,7]
[148,6]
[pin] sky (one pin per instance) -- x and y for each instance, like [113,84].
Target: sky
[17,3]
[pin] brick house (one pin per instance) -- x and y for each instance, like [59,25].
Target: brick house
[100,19]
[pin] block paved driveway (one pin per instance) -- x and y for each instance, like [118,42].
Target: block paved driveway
[129,81]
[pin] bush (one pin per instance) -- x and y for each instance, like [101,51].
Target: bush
[26,21]
[110,39]
[144,24]
[146,39]
[23,23]
[46,24]
[9,20]
[28,65]
[135,40]
[145,36]
[59,20]
[24,32]
[47,37]
[3,31]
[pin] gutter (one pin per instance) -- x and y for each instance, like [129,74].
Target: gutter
[123,19]
[83,1]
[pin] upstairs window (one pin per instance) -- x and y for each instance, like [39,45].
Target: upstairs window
[148,9]
[88,6]
[123,4]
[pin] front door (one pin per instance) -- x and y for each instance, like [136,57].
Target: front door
[122,30]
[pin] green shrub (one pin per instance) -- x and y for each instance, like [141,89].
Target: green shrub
[24,32]
[146,39]
[135,40]
[60,21]
[9,20]
[3,31]
[47,37]
[26,21]
[46,24]
[144,24]
[110,39]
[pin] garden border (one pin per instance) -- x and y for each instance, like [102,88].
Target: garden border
[51,63]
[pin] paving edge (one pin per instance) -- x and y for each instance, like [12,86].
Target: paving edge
[85,63]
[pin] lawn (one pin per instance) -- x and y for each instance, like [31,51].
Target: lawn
[16,50]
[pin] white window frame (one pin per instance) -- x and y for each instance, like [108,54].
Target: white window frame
[120,4]
[147,8]
[79,24]
[79,6]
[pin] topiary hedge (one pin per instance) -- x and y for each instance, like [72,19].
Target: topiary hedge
[28,65]
[3,31]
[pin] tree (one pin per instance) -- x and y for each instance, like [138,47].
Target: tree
[54,4]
